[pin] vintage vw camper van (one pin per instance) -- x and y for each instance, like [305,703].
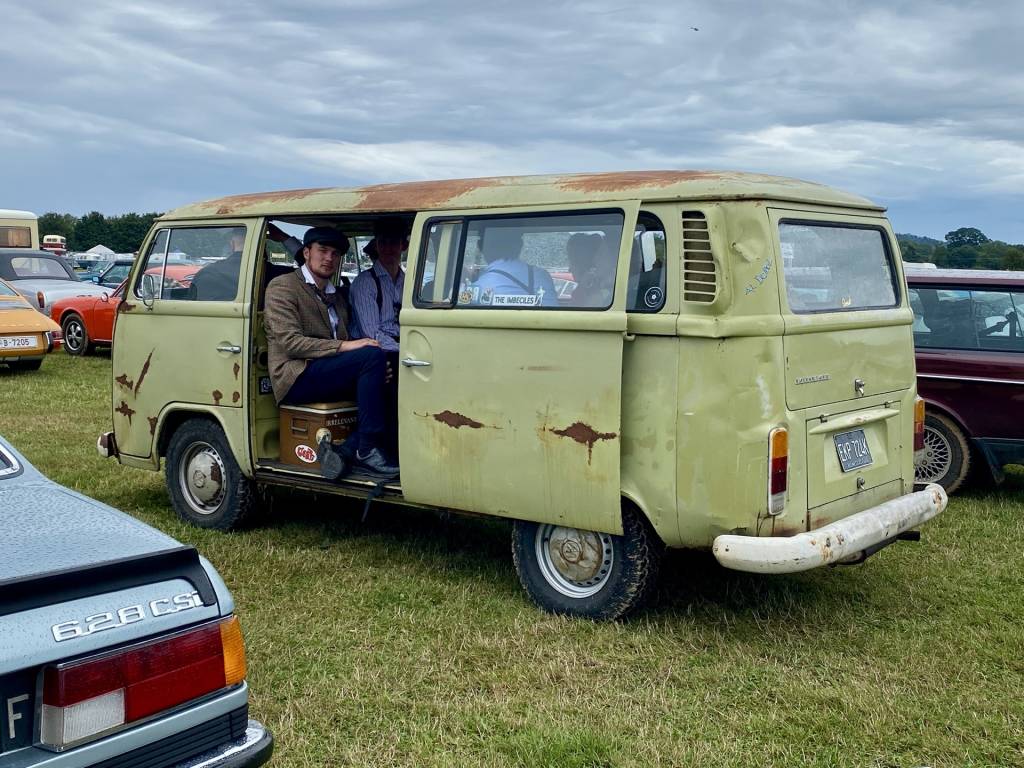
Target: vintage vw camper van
[726,363]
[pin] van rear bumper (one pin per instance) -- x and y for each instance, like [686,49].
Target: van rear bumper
[842,540]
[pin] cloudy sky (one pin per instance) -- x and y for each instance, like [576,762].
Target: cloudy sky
[141,105]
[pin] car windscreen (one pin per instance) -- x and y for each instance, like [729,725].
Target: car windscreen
[39,267]
[836,268]
[6,290]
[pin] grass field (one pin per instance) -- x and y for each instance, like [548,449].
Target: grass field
[407,640]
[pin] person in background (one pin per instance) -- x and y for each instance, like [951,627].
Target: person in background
[219,281]
[376,293]
[507,277]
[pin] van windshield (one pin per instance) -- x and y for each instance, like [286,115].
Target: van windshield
[835,268]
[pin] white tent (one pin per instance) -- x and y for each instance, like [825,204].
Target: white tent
[101,250]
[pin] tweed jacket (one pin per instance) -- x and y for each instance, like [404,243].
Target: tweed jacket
[298,328]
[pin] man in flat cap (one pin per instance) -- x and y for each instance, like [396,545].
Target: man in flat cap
[311,357]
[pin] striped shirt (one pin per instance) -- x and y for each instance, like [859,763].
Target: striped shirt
[369,321]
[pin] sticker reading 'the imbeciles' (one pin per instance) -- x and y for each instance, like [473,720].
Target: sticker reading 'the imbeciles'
[512,300]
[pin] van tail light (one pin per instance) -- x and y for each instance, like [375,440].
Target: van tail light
[778,469]
[86,699]
[918,426]
[40,300]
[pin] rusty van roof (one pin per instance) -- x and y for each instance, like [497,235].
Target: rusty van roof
[497,191]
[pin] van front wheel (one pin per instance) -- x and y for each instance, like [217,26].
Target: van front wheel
[587,573]
[206,485]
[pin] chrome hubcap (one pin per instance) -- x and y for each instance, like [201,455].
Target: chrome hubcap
[574,562]
[73,335]
[936,458]
[201,478]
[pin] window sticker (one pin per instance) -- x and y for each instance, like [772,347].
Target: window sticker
[513,300]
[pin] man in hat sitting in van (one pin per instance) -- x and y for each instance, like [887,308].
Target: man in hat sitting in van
[311,357]
[376,293]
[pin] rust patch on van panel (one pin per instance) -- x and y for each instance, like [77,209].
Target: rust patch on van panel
[142,374]
[456,420]
[584,434]
[236,369]
[609,182]
[236,396]
[125,382]
[124,410]
[152,425]
[217,396]
[230,204]
[419,194]
[124,306]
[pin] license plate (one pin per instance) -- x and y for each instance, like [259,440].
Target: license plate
[17,710]
[852,448]
[17,342]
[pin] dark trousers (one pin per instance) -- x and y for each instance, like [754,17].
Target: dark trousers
[360,374]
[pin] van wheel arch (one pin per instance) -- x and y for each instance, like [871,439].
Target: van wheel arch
[589,574]
[204,481]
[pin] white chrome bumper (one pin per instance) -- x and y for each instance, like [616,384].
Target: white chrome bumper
[833,543]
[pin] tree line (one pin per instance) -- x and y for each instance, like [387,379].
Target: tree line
[964,248]
[122,234]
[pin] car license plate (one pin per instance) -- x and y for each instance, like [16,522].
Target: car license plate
[852,448]
[17,710]
[17,342]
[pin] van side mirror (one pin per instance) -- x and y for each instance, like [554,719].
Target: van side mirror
[149,289]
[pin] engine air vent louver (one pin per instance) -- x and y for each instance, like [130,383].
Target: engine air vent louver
[700,280]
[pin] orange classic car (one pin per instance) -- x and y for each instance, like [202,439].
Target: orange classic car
[26,335]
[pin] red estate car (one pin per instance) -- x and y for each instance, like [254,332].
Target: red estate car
[969,345]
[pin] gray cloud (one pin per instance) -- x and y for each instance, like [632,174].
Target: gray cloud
[915,104]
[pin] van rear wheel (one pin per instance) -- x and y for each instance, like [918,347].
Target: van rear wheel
[946,458]
[206,485]
[594,575]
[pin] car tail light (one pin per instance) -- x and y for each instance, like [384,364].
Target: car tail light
[53,340]
[87,699]
[778,469]
[40,300]
[918,424]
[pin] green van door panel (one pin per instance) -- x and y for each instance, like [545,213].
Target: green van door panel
[518,412]
[181,352]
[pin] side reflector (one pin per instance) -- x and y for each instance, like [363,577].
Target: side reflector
[778,469]
[918,424]
[89,698]
[40,299]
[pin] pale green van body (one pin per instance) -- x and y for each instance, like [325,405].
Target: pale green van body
[563,417]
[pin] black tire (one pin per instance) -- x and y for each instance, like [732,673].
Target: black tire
[76,337]
[947,454]
[25,365]
[616,580]
[205,483]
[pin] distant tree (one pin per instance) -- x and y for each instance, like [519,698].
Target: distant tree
[1015,258]
[127,231]
[92,229]
[965,236]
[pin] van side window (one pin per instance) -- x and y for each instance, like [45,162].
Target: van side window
[967,319]
[645,291]
[545,261]
[195,263]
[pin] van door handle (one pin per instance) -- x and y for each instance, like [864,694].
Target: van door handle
[232,348]
[410,362]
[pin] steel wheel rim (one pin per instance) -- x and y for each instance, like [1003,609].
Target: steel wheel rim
[201,478]
[937,459]
[574,562]
[74,335]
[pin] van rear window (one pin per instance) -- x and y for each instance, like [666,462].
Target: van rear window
[836,268]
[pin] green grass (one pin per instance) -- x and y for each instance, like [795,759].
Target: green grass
[407,640]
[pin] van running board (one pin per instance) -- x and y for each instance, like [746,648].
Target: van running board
[279,473]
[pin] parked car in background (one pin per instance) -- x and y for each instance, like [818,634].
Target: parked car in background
[86,321]
[25,335]
[42,277]
[969,344]
[110,275]
[120,645]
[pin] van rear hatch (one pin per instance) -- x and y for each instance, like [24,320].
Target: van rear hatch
[849,352]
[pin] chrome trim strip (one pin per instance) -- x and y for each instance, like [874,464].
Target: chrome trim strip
[14,467]
[969,378]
